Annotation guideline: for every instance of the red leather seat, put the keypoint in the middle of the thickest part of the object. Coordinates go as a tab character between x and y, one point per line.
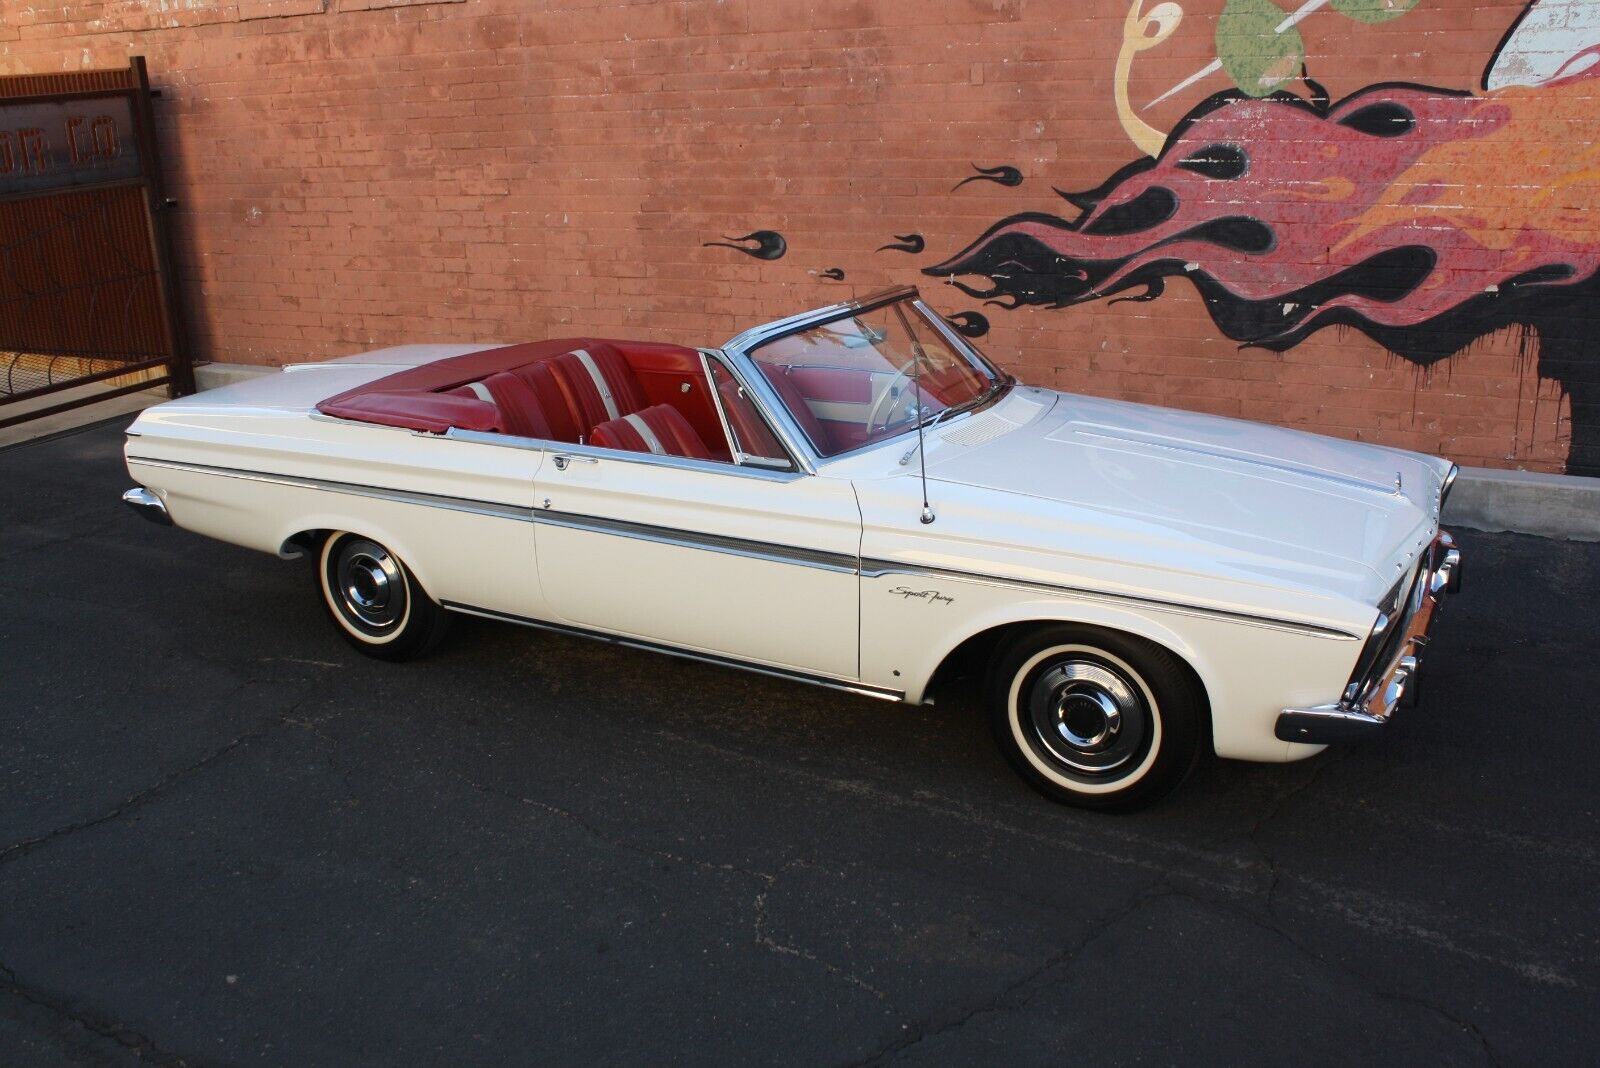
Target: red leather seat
521	413
581	389
795	401
661	430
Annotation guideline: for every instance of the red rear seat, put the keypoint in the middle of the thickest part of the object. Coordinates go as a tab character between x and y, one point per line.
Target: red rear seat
579	390
661	430
521	413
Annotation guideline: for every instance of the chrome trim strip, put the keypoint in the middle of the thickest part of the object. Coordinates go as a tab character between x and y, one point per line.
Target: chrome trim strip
741	458
871	568
844	563
688	539
716	402
752	337
687	463
431	500
791	675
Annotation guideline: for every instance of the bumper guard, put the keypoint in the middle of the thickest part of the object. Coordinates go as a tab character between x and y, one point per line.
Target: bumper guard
1392	680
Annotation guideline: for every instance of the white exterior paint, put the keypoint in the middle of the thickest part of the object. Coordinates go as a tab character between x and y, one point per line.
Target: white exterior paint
1255	554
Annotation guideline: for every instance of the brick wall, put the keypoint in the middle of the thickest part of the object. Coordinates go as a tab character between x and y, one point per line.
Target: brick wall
359	173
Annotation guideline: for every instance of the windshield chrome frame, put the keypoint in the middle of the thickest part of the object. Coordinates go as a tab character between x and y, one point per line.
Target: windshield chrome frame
738	349
741	458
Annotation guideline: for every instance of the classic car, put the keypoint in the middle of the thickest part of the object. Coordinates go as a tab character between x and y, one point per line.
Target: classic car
854	497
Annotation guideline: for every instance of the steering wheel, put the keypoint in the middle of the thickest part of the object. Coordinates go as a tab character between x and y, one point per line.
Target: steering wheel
889	397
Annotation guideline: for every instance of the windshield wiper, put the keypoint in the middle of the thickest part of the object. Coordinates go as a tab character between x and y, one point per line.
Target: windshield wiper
1000	383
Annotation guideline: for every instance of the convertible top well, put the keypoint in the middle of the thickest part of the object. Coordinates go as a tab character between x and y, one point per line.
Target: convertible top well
560	390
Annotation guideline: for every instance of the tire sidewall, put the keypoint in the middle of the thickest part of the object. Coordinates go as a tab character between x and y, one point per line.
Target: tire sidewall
1170	697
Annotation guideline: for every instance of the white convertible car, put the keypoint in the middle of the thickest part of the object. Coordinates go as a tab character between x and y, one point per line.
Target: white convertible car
853	497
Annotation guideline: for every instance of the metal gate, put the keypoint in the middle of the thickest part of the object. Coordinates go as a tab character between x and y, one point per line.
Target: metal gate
87	298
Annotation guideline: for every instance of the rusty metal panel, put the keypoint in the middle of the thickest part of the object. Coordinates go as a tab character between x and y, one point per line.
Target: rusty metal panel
78	81
57	144
86	293
78	276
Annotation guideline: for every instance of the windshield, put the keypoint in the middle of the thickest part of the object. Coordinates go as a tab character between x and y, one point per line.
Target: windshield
870	375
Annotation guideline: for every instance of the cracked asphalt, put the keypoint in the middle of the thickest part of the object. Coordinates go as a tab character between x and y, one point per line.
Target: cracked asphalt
225	837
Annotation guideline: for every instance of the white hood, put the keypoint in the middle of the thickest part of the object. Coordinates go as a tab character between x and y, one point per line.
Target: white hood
1295	507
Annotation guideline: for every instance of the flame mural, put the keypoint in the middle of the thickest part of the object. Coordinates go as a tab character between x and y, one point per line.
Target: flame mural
1425	217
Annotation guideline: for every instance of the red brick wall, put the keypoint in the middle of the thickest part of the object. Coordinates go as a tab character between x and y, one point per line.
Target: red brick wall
359	173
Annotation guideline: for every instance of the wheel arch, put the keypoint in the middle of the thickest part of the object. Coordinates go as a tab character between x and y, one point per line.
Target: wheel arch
977	645
302	539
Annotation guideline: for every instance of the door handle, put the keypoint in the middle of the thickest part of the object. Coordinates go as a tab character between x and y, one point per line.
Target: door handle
564	461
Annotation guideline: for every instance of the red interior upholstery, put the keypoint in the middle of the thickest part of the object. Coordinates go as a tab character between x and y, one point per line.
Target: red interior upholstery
660	429
520	411
792	399
421	410
575	389
747	426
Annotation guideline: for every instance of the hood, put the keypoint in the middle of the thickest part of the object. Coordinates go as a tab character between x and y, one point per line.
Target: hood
1280	505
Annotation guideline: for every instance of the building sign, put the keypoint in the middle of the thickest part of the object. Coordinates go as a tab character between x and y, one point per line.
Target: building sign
60	144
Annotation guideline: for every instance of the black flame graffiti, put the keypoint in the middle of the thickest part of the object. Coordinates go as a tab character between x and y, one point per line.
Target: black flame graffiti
1002	175
769	244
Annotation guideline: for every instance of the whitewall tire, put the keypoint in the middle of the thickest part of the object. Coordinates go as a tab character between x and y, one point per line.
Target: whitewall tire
1096	718
374	600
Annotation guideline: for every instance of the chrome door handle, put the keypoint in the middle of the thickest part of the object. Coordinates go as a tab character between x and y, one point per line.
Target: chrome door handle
564	461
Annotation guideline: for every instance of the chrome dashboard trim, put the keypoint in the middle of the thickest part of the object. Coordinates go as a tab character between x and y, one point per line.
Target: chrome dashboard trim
789	674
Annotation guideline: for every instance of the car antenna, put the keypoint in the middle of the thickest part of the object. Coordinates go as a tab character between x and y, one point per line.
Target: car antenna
916	385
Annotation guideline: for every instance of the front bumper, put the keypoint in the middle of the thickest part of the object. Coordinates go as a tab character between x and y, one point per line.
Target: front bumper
1391	680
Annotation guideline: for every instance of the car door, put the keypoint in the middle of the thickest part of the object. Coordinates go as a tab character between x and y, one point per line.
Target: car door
735	561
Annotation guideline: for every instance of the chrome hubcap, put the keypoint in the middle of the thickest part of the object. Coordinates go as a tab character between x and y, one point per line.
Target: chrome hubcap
1085	715
371	588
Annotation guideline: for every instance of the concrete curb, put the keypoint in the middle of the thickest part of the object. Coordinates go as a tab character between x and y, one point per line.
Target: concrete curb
217	375
1553	506
1526	502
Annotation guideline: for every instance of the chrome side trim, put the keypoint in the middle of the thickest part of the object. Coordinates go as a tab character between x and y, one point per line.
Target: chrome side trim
148	505
686	463
871	568
431	500
688	539
843	563
756	550
686	654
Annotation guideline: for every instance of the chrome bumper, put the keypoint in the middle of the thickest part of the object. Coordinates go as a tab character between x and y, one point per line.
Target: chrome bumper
148	505
1391	681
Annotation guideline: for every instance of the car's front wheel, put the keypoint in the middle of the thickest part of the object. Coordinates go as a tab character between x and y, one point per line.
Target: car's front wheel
1096	718
375	601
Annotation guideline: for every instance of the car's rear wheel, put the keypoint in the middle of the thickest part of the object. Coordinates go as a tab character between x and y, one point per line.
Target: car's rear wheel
1096	718
375	600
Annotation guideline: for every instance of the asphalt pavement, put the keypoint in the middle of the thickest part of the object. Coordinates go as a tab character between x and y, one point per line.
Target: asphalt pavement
225	837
